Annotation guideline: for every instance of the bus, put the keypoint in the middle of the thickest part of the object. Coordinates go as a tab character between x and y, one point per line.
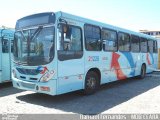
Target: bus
6	47
56	53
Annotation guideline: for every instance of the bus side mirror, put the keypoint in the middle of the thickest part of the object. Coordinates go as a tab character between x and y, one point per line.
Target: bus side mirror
65	33
63	26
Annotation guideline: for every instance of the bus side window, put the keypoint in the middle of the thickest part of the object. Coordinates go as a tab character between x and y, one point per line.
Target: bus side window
70	42
144	46
70	38
135	43
123	41
109	38
5	46
92	37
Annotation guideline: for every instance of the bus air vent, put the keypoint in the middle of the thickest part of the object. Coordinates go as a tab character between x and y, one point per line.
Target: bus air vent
23	77
33	78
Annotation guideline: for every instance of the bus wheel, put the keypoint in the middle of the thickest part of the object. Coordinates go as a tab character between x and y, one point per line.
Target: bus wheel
143	71
91	83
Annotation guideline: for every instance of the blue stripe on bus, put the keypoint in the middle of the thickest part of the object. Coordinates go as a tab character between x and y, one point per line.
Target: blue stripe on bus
129	57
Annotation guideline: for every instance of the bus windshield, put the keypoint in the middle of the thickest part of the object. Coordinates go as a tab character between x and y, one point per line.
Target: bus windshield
34	47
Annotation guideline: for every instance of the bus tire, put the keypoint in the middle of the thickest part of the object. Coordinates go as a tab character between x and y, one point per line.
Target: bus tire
92	83
143	72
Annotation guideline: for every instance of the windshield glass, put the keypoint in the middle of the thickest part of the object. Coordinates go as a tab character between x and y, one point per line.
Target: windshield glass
34	47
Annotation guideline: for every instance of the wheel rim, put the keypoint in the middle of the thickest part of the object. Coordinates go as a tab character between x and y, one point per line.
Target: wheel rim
91	83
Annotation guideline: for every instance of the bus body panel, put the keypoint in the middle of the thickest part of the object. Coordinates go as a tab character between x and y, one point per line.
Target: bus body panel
119	65
136	64
155	57
67	79
149	61
107	74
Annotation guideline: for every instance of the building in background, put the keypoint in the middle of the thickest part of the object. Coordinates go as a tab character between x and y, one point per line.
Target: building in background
155	34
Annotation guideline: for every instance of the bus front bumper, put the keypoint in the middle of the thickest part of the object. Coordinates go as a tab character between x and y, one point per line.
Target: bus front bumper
40	87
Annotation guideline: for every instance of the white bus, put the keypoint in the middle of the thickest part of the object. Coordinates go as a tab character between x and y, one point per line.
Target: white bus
6	47
56	53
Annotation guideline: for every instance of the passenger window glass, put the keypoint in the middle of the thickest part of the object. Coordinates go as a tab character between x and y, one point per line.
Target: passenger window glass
70	44
135	43
144	47
109	38
5	46
92	38
123	42
150	46
71	39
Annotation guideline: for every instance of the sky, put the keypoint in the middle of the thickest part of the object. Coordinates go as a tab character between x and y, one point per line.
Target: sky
130	14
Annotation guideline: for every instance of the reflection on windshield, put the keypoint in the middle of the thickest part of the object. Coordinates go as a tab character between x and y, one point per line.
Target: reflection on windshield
34	46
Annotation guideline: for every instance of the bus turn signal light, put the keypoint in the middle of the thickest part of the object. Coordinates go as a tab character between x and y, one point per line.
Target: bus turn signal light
43	88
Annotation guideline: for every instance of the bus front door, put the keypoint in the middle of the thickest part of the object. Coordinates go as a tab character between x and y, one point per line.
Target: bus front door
70	60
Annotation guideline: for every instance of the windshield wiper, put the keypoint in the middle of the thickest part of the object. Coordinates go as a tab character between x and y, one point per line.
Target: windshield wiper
36	33
23	35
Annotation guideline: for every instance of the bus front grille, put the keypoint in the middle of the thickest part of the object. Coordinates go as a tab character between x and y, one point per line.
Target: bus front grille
28	85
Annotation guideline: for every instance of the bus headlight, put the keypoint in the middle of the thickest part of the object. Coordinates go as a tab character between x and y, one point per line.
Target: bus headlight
45	78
